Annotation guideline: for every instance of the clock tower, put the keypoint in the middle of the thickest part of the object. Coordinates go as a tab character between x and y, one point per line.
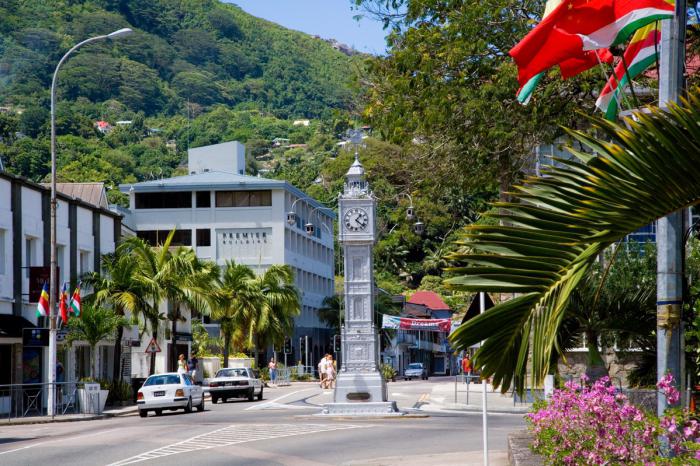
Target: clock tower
360	387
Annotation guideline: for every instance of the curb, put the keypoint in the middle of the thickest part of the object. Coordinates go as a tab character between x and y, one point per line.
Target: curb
51	421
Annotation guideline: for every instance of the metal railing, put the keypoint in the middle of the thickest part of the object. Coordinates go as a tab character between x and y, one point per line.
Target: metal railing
283	377
461	380
30	400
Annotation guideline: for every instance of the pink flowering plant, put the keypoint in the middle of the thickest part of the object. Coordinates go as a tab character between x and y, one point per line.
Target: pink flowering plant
595	425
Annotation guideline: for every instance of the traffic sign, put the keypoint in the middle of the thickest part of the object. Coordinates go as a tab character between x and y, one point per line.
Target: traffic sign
153	346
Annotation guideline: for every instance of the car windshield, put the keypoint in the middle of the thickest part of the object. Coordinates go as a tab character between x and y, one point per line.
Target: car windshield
162	380
415	366
232	373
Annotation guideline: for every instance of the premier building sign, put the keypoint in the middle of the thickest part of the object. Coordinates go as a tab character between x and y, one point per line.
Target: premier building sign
427	325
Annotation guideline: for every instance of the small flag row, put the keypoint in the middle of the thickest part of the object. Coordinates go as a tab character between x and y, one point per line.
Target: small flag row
65	305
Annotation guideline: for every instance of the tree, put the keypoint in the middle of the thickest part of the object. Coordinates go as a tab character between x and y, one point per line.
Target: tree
236	297
331	313
274	319
635	175
94	325
117	286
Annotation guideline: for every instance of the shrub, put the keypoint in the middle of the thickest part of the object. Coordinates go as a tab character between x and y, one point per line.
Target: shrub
583	425
388	371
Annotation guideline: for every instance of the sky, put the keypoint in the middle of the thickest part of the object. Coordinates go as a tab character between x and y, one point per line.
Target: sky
330	19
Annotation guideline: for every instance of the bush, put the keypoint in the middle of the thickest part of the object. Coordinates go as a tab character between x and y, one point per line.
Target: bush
596	425
388	372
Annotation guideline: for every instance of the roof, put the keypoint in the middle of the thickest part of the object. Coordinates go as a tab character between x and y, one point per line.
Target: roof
429	299
92	193
217	180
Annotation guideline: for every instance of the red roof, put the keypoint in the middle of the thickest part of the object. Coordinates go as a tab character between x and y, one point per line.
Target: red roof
429	299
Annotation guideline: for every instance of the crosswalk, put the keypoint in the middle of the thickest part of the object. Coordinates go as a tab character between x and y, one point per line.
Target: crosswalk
232	435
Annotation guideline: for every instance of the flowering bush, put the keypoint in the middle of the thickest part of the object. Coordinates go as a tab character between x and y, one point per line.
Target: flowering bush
594	425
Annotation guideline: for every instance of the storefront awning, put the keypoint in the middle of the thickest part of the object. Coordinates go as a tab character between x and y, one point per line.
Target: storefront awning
11	326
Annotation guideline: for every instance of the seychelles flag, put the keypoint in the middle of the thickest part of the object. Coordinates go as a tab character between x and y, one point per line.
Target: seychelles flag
42	308
75	302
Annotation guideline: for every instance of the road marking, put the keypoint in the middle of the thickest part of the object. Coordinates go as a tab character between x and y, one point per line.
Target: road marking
58	440
232	435
275	401
272	405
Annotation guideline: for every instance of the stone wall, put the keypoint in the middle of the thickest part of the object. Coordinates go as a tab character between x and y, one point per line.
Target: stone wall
619	364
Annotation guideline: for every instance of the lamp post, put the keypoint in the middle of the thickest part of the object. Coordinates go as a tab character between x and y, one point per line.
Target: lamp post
51	404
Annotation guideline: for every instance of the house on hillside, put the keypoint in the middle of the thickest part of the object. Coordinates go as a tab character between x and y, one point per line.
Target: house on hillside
103	127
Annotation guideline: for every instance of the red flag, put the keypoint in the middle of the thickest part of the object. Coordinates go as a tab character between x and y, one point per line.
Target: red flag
576	26
63	304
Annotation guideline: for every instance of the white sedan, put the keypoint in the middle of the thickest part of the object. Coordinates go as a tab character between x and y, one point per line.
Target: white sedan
238	382
170	391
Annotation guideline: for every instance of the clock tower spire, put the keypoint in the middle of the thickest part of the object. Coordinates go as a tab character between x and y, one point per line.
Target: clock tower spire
360	388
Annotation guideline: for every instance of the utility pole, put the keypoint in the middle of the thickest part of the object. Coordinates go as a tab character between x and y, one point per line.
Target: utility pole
669	232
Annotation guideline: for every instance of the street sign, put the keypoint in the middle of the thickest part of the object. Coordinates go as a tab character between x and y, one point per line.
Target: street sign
153	346
35	337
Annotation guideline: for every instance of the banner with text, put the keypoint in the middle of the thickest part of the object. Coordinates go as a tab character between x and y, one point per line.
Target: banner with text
427	325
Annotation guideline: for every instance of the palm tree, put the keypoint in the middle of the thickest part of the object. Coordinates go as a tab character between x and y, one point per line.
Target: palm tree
274	319
330	312
179	278
236	297
94	325
547	242
117	286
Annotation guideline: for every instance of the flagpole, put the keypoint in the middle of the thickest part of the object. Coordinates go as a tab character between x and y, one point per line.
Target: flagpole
669	234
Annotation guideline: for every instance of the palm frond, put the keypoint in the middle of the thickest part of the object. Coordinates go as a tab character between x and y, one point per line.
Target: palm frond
557	225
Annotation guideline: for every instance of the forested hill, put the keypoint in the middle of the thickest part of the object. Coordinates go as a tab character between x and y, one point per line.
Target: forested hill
201	51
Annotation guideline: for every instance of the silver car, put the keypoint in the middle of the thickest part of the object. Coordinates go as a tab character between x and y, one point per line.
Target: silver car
415	370
237	382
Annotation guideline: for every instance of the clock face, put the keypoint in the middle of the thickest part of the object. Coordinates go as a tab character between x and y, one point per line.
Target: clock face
356	219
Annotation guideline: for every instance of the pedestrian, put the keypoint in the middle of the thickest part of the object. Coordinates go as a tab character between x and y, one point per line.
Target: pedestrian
466	368
322	370
182	365
272	367
330	372
195	373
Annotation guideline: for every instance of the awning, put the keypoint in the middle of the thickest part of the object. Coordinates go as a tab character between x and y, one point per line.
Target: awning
11	326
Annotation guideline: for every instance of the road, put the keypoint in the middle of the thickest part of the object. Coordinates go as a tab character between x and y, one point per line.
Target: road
283	429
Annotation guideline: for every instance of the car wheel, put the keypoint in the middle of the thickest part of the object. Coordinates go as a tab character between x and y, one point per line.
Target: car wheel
224	400
159	412
200	408
260	394
188	408
251	394
214	399
143	412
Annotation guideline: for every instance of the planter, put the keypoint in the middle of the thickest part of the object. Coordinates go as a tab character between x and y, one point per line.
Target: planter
92	401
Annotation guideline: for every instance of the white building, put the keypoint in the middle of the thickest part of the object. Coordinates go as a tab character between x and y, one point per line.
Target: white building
85	230
224	214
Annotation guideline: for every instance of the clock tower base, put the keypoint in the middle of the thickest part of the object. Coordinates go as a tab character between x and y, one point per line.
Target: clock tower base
361	394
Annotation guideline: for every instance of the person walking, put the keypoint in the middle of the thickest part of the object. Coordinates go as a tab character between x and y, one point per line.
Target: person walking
182	365
272	367
322	370
330	372
466	367
193	366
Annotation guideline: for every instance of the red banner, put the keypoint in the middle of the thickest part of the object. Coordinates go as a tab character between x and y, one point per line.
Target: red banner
428	325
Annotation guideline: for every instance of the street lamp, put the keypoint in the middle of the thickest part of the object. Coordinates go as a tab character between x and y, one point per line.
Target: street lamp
51	405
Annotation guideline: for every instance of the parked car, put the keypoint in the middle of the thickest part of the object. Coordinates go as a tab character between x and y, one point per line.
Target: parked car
170	391
415	370
236	382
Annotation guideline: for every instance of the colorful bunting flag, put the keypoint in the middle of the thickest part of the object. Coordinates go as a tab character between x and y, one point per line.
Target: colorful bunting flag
42	308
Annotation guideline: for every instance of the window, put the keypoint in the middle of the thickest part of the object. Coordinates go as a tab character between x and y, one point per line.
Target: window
2	252
204	237
203	199
29	253
158	237
243	198
84	262
60	257
168	200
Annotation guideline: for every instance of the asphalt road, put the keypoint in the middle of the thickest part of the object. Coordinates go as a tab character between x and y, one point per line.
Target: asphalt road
283	429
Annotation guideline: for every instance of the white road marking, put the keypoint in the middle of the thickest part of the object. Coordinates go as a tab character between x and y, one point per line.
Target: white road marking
58	440
233	435
275	401
272	405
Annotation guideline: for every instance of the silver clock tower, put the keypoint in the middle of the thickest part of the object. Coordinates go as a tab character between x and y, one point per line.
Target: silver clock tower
360	388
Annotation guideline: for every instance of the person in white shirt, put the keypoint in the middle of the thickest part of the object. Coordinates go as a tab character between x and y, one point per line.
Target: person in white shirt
322	366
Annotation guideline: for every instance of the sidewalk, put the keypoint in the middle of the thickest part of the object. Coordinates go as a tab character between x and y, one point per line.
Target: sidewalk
443	397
